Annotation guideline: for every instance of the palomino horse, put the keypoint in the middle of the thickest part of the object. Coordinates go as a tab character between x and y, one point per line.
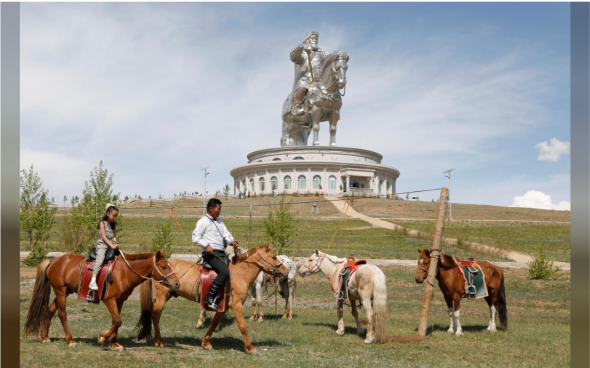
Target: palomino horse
324	99
451	283
287	287
367	284
63	274
245	268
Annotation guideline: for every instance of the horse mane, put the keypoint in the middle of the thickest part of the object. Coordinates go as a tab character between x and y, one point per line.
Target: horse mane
334	258
244	256
329	60
138	256
447	261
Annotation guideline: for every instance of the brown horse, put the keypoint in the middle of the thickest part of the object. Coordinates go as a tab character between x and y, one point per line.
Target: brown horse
244	271
451	283
63	274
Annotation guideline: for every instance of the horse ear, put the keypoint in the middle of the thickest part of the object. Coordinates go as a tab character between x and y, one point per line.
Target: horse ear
419	250
317	253
267	248
160	255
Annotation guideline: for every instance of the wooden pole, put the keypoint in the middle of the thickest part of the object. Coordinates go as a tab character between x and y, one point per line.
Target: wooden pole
434	256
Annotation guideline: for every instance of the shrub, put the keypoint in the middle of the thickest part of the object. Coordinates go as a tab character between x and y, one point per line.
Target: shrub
162	239
280	225
542	269
36	218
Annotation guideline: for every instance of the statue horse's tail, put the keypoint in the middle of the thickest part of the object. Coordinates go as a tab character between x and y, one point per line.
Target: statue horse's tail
144	325
379	306
502	312
35	322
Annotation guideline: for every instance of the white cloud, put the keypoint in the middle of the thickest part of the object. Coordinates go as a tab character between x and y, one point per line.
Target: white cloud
552	152
540	200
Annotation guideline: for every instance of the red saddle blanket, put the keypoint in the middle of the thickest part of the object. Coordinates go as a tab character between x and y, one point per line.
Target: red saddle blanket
206	278
84	292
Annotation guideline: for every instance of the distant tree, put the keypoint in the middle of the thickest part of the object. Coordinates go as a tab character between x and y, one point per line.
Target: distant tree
280	225
36	218
226	189
65	200
162	239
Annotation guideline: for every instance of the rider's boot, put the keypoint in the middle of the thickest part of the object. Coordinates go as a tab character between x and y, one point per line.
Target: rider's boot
211	297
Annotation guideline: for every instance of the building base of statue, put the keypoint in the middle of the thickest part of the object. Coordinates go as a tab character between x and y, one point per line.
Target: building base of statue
325	170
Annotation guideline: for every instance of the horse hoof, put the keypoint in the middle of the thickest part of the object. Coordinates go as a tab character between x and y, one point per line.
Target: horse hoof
368	341
160	344
451	331
72	345
101	340
260	319
208	347
252	351
120	349
339	332
252	318
46	341
459	333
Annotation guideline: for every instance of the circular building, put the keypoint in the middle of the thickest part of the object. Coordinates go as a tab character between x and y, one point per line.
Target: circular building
328	170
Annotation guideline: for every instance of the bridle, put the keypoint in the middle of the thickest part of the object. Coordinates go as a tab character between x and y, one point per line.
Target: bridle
274	267
164	277
317	266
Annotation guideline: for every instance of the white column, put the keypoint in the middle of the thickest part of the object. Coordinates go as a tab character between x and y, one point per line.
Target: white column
347	183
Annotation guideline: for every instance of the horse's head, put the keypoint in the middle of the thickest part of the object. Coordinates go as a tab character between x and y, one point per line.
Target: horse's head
423	266
266	260
312	265
163	272
339	68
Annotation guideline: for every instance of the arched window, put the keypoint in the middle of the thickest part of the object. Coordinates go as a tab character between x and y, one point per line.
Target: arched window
317	182
332	182
261	185
252	185
298	158
274	183
301	182
276	159
287	182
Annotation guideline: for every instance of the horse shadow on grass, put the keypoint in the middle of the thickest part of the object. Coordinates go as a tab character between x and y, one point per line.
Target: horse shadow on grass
347	329
469	328
272	317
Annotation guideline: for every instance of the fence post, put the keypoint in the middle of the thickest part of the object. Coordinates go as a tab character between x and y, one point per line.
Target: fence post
434	256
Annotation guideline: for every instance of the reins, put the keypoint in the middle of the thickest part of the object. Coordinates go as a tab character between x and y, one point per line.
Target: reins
164	277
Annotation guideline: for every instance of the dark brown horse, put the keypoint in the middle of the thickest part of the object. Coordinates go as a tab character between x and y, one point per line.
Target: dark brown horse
451	283
245	269
63	274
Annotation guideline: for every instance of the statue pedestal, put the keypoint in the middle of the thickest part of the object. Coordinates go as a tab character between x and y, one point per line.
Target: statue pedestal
332	171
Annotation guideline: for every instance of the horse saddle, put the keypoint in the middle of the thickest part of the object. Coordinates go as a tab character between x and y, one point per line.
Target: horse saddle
206	277
349	268
86	269
475	286
108	257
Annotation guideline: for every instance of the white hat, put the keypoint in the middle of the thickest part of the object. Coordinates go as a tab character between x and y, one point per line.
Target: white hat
109	205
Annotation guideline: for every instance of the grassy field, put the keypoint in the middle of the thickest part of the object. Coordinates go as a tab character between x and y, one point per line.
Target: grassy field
354	238
538	334
525	237
429	210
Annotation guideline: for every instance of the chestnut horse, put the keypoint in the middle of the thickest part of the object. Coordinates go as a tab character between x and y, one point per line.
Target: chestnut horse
63	274
367	284
244	271
452	284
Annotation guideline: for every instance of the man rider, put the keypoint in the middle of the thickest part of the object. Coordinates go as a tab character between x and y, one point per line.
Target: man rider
213	237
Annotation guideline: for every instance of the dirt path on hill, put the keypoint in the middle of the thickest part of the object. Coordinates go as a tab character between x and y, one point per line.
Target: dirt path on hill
515	256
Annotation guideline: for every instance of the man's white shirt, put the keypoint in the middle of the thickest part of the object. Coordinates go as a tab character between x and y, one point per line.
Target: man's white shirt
206	233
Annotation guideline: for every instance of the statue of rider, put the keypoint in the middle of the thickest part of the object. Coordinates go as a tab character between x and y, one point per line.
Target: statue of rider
306	54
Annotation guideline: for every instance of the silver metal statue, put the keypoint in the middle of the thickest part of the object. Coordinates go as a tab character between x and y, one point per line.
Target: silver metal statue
316	97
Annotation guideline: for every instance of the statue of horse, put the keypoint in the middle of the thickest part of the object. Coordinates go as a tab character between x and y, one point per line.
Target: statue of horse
367	284
245	269
63	274
451	283
323	102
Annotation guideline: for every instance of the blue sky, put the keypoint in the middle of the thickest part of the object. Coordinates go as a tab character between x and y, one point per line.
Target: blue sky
158	91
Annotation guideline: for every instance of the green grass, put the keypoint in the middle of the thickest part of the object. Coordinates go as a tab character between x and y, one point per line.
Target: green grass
313	234
523	237
538	335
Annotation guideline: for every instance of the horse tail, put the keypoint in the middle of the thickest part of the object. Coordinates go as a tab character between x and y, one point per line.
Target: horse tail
144	325
379	306
35	322
502	312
